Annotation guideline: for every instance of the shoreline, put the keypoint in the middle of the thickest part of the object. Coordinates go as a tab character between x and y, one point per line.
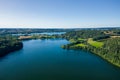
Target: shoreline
114	64
5	51
92	52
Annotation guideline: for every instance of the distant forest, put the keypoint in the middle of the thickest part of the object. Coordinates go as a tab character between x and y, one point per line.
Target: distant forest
30	30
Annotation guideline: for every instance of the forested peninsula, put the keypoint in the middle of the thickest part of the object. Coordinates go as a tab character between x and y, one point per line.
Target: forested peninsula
104	43
9	44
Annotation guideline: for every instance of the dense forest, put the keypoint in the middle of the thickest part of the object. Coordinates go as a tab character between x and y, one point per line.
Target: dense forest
105	43
9	44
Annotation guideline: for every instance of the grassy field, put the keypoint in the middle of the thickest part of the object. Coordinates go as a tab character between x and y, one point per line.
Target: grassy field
72	40
95	43
79	39
80	45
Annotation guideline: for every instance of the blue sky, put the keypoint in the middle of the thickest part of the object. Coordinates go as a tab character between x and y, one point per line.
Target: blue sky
59	13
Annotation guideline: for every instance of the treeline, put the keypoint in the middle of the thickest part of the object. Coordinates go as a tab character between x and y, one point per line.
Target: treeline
92	33
112	48
31	30
99	37
9	44
83	34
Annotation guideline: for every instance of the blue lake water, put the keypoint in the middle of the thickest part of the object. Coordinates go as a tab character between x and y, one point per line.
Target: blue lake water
46	60
47	33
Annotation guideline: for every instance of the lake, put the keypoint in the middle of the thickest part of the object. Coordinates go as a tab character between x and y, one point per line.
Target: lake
46	60
43	33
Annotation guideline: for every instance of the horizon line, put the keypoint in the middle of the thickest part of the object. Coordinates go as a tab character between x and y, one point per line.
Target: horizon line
58	28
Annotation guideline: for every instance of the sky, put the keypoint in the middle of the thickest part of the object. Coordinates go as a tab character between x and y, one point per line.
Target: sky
59	13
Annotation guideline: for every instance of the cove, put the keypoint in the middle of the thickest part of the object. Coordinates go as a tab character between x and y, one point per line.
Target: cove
46	60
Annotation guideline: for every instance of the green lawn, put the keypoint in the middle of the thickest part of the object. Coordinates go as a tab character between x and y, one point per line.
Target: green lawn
80	45
95	43
72	40
79	39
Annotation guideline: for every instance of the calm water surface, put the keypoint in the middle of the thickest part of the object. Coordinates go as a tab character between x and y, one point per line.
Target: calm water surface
47	33
46	60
